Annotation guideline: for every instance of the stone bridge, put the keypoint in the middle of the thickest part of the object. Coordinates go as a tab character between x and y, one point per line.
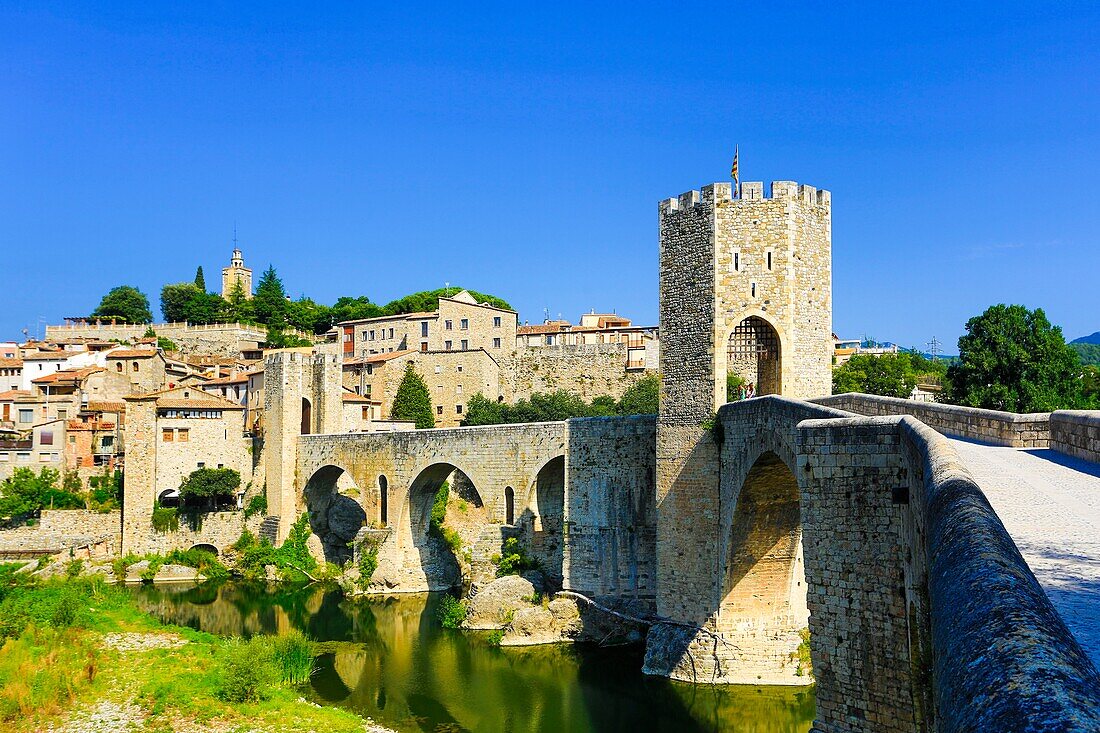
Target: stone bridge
868	530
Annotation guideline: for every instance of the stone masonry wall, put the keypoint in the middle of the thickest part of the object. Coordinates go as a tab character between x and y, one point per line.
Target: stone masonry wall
1076	433
610	516
221	339
856	551
80	522
987	426
590	370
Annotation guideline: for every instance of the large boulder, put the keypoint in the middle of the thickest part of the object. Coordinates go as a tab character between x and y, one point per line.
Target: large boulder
496	603
534	625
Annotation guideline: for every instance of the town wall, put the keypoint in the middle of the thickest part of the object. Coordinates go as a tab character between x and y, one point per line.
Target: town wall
987	426
80	522
224	339
590	370
220	529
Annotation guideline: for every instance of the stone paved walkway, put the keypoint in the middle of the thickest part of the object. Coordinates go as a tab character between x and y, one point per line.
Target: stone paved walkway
1050	504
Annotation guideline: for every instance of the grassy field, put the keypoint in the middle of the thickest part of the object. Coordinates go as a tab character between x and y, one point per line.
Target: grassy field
70	646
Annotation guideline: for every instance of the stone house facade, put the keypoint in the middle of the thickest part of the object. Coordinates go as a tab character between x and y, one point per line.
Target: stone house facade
168	435
145	368
459	324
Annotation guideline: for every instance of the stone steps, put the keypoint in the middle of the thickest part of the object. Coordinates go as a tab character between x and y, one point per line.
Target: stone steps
269	529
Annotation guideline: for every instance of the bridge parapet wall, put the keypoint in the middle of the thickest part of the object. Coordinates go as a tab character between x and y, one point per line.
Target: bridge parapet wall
1076	433
1003	657
1030	430
976	643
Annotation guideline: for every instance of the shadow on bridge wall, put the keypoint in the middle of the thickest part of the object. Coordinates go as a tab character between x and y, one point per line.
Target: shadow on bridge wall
923	615
332	500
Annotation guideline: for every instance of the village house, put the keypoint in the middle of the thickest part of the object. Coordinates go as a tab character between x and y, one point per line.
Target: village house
171	433
459	324
641	342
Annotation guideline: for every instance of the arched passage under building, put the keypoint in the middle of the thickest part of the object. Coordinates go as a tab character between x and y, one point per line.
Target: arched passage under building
336	512
206	547
542	520
754	354
762	611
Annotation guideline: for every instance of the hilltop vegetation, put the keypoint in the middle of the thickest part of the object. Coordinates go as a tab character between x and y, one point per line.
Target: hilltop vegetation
1089	353
191	302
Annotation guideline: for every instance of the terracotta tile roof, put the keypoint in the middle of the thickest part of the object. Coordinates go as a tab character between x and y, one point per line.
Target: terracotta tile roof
352	397
106	406
132	354
186	397
14	394
542	328
377	358
10	363
49	355
68	375
241	378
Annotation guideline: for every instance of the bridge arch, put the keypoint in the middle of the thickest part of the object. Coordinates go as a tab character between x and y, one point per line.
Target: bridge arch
762	607
333	501
205	546
542	517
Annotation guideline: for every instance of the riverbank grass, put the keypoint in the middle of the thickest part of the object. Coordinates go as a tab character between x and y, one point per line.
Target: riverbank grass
55	661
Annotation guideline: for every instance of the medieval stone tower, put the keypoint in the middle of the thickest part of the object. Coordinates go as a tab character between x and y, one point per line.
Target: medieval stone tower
745	287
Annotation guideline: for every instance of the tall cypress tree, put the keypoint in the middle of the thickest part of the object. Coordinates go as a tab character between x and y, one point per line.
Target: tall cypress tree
270	298
200	280
412	401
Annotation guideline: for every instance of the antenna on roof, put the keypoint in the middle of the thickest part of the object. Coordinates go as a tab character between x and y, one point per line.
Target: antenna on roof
234	235
546	315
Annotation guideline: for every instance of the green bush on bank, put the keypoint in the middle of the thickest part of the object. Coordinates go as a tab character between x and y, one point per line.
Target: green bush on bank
249	670
451	612
292	558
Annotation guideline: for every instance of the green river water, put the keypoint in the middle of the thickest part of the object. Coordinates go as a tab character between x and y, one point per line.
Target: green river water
390	660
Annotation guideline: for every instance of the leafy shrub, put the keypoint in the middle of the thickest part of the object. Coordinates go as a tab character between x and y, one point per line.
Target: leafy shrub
210	484
256	505
26	492
292	557
249	670
495	637
368	563
165	519
514	559
451	612
73	568
204	561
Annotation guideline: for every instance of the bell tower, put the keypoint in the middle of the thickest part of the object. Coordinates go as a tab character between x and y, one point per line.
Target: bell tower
236	273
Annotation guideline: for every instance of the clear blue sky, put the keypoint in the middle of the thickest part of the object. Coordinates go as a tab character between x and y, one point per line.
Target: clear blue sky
522	152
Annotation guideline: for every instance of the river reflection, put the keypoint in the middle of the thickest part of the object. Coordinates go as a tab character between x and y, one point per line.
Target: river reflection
390	660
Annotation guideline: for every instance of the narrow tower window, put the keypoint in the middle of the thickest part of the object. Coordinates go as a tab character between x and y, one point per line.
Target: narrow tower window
769	259
754	290
737	262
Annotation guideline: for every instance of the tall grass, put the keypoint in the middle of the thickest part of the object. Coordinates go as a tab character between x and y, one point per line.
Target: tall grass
44	669
250	669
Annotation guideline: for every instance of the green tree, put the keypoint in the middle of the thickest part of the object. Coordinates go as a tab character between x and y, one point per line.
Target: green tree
428	300
200	279
890	375
278	338
238	307
210	486
270	298
1013	359
186	302
734	381
308	316
25	492
124	303
412	401
642	397
353	309
480	410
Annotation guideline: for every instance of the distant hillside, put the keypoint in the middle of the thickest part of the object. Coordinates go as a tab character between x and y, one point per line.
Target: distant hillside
1089	351
1093	339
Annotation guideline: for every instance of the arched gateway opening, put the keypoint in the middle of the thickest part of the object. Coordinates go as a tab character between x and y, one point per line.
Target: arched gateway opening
335	513
753	353
763	604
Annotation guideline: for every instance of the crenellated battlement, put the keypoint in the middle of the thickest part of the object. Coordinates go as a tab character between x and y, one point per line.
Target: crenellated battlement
751	191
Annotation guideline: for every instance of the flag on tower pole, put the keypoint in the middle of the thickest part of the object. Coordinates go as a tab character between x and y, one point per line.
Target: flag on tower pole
733	173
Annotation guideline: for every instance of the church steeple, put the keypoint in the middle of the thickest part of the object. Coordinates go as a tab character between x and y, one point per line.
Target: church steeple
236	273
